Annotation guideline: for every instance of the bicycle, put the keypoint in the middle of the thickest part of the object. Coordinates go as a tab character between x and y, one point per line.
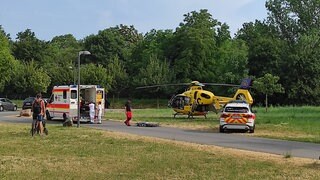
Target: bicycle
36	128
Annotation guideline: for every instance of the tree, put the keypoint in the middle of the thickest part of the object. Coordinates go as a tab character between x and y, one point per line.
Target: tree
223	33
156	72
111	42
28	47
65	41
268	85
120	78
95	74
232	61
302	81
265	53
61	59
64	50
61	74
294	17
156	44
194	47
297	23
30	79
7	61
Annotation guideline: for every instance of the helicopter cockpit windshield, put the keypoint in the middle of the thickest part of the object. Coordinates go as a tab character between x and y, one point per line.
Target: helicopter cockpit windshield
179	102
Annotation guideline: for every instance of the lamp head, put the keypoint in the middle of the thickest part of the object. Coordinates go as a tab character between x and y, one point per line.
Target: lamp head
84	52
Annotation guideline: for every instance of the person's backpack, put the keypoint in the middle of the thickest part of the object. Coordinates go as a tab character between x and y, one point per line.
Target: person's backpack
37	107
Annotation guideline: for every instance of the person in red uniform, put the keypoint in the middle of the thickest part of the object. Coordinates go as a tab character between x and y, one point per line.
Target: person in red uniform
128	111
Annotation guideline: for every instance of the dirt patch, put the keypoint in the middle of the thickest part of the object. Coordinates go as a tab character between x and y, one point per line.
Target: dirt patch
26	113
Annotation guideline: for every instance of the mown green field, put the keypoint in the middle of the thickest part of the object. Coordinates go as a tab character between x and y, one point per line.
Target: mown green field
290	123
83	153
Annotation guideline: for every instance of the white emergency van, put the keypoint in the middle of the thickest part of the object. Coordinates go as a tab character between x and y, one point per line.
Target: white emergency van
64	100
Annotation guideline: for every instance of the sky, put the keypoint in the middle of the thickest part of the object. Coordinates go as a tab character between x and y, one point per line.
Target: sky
81	18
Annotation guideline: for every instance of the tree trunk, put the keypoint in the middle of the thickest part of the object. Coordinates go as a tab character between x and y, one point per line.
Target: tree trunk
266	103
113	101
158	106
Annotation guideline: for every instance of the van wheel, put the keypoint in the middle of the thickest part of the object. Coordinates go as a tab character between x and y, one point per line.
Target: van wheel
251	130
48	115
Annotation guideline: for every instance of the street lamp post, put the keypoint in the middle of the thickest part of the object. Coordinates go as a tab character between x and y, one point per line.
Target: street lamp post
79	55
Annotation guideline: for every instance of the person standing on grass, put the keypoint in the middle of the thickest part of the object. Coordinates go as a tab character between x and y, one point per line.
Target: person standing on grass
38	109
128	111
99	109
92	112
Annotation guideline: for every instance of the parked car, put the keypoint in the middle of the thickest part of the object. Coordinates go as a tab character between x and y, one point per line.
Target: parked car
46	101
6	104
27	103
237	115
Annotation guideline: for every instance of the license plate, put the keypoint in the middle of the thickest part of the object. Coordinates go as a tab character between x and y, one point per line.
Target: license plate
236	117
28	103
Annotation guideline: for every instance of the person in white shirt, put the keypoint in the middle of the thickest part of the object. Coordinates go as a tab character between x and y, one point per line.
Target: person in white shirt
99	109
91	112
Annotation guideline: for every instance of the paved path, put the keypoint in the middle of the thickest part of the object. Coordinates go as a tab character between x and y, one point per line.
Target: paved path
280	147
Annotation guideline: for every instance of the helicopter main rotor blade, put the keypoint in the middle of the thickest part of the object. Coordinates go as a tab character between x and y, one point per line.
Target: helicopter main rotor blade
162	85
218	84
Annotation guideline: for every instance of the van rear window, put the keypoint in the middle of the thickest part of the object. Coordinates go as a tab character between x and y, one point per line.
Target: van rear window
64	94
236	109
73	94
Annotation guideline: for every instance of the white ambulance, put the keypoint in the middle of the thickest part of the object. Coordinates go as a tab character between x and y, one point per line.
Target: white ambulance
64	100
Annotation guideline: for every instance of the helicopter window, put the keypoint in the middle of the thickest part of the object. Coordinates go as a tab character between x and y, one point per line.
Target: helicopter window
186	100
178	102
204	95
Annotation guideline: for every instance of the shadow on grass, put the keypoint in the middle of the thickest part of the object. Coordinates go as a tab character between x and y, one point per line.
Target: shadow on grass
315	165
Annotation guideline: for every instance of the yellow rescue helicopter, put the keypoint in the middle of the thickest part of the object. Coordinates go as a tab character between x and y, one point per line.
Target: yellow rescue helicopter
196	101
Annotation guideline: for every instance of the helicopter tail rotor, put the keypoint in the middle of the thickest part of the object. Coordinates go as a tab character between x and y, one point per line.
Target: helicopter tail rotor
246	83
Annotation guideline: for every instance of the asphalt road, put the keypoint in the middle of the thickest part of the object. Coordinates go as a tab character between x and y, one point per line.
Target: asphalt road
233	140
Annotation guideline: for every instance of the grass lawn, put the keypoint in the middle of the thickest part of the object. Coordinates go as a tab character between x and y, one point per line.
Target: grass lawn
289	123
83	153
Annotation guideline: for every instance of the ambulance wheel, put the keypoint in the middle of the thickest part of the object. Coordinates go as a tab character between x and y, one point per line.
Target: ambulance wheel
48	115
221	130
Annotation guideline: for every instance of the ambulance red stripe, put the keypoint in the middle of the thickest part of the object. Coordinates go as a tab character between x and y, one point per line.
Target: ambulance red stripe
60	90
65	106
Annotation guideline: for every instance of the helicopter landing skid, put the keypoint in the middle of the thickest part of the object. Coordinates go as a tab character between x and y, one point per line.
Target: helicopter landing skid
189	115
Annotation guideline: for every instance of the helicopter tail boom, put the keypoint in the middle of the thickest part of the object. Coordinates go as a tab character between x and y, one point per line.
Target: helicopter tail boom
243	94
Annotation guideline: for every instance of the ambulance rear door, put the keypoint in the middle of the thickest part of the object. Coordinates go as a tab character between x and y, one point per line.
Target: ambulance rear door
73	100
100	98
